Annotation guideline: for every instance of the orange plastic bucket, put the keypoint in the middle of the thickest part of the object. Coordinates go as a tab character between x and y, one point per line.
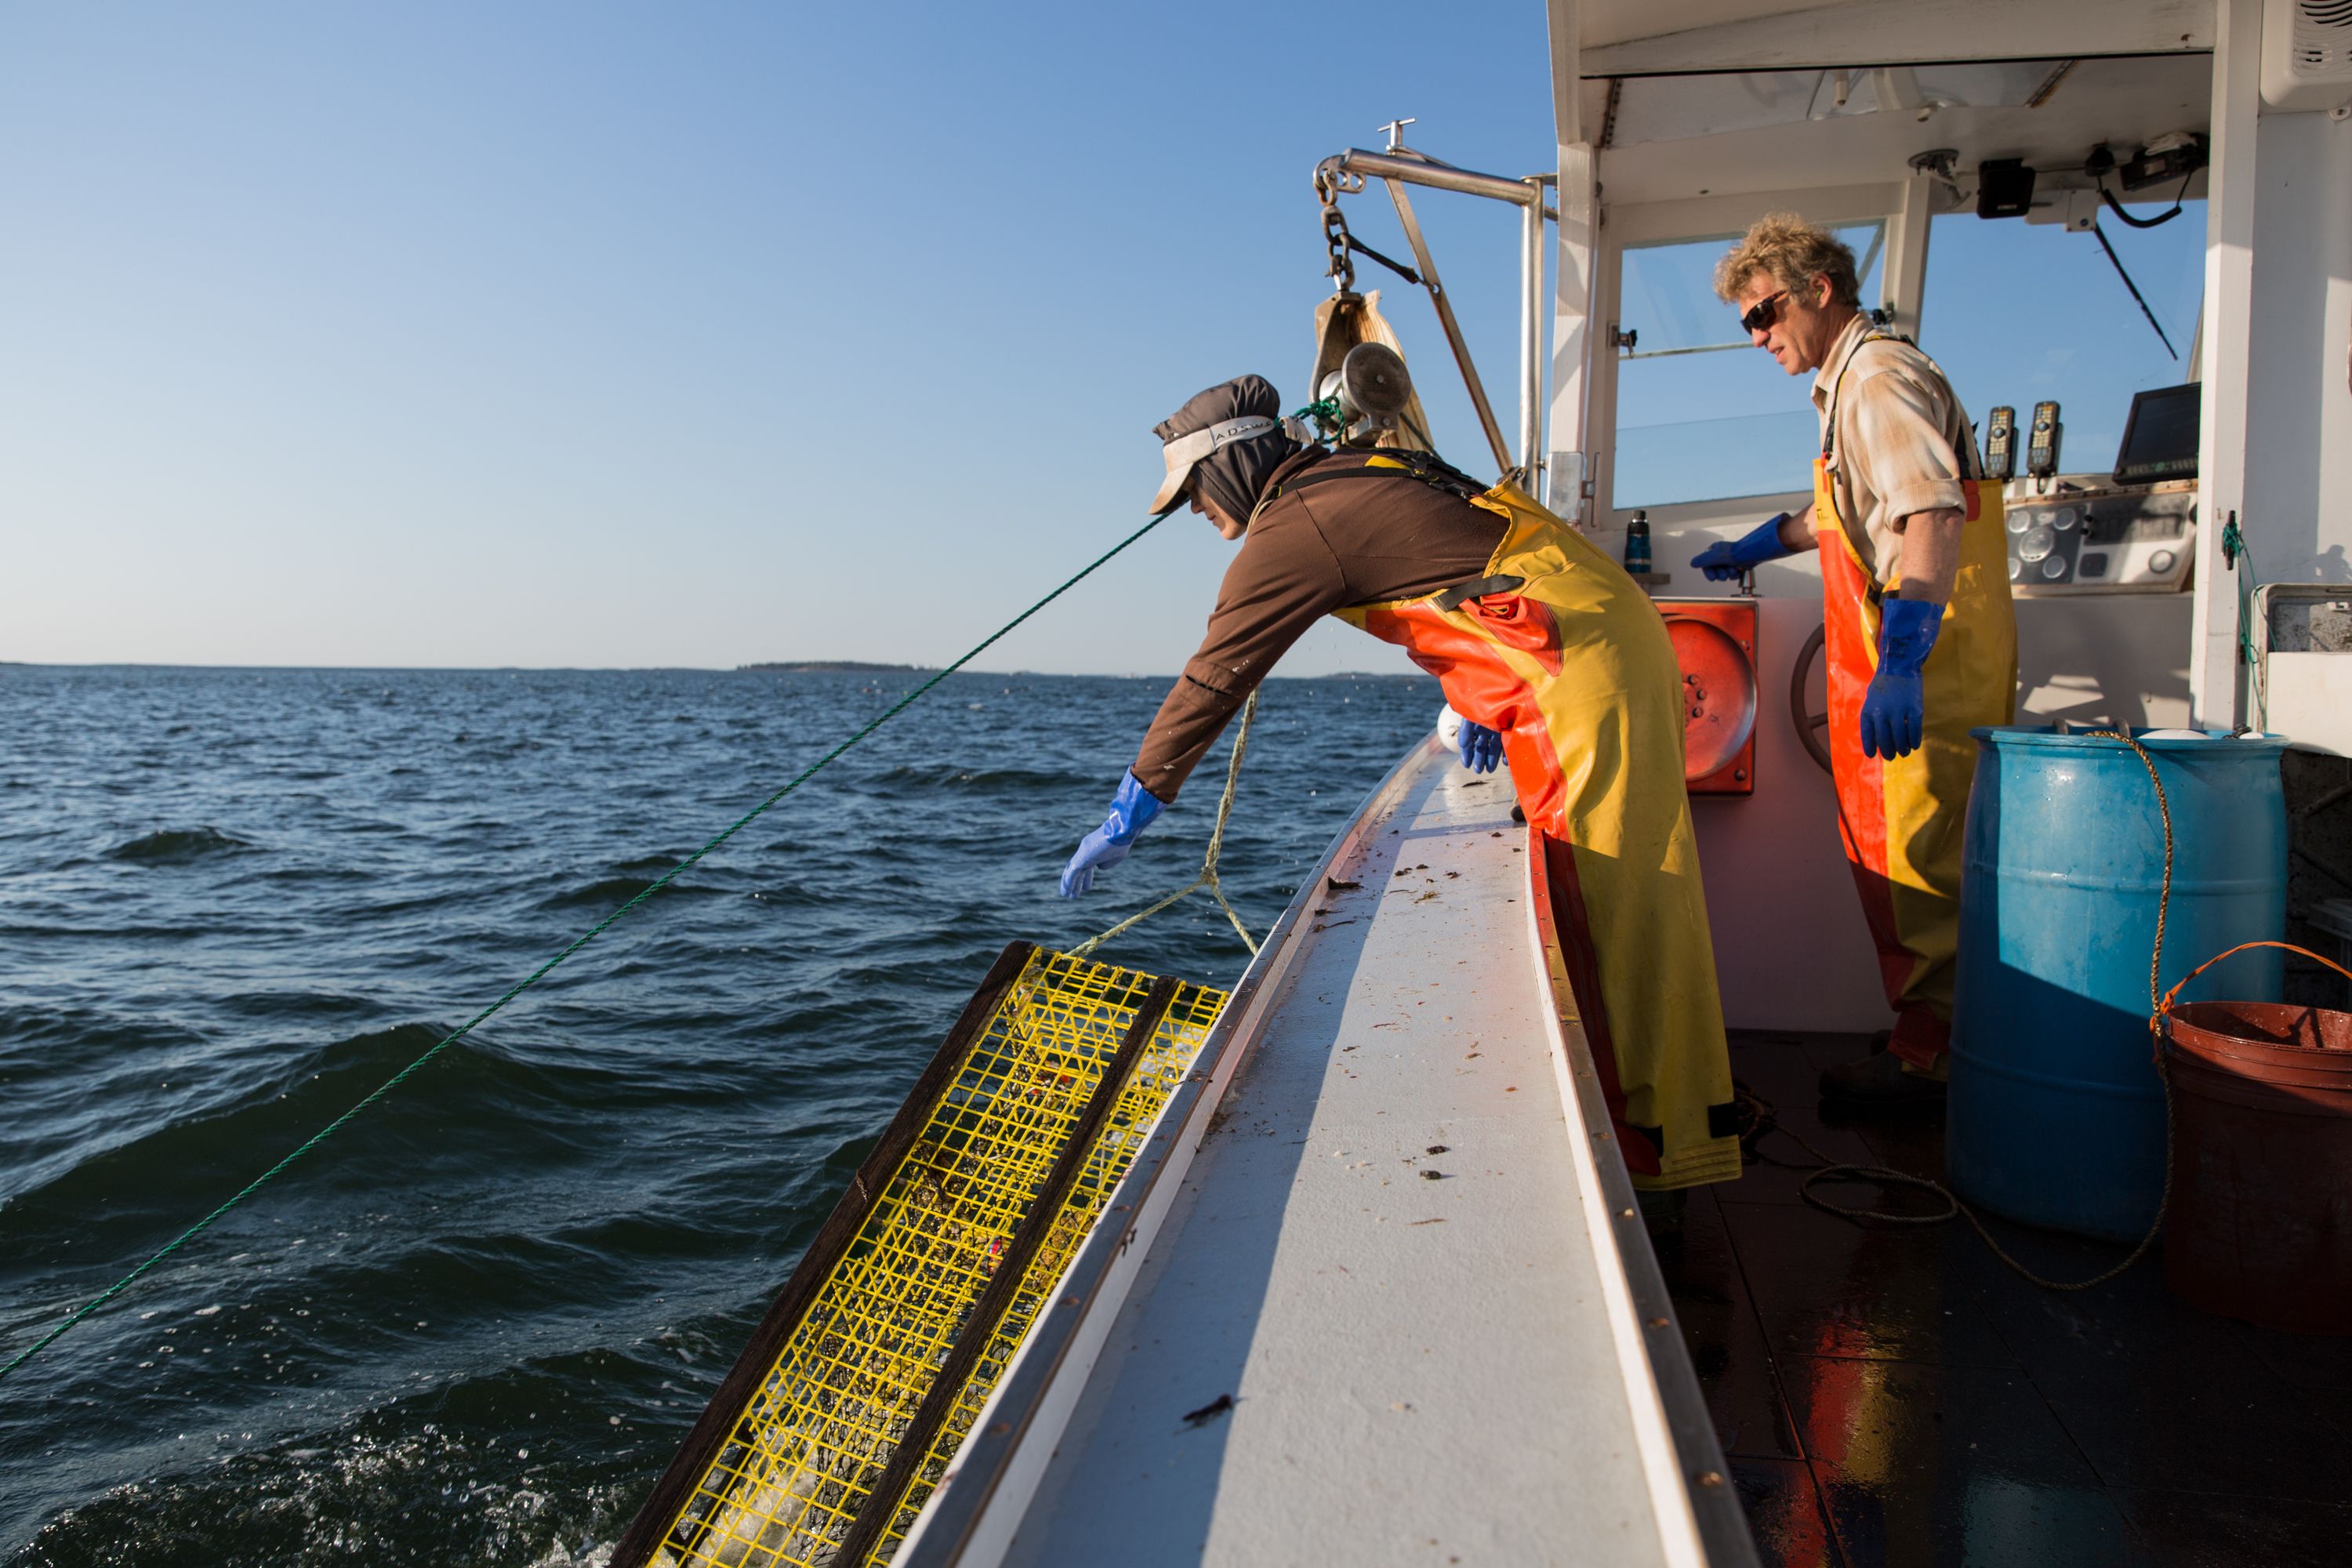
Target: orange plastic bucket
2260	1219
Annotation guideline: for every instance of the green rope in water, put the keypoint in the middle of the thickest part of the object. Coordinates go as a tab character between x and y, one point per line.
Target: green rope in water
396	1080
1208	877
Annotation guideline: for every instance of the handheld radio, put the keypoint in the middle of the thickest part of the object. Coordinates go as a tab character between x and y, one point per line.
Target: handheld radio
2041	445
2000	443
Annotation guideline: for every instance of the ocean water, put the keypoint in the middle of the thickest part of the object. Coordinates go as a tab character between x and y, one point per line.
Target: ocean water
471	1328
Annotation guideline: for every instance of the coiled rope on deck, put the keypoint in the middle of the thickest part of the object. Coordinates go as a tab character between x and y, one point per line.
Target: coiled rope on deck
396	1080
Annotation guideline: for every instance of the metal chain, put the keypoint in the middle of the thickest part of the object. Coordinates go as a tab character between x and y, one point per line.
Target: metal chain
1208	877
1836	1171
1335	236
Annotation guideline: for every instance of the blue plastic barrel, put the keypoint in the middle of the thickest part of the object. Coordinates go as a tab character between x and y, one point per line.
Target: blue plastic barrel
2056	1116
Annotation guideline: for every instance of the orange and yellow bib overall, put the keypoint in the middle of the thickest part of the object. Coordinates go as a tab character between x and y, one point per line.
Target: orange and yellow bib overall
1901	817
1568	659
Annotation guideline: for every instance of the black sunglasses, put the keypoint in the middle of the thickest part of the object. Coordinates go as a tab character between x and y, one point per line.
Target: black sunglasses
1760	316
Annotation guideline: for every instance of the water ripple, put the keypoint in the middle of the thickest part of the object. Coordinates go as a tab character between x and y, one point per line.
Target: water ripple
472	1327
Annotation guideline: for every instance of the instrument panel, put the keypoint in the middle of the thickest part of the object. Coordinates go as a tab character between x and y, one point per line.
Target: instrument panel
2086	534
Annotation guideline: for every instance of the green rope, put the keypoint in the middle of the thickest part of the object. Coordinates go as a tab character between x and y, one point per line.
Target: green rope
1208	877
2233	546
1325	414
396	1080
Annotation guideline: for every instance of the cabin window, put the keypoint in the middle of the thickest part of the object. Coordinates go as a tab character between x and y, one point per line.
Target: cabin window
1701	414
2017	312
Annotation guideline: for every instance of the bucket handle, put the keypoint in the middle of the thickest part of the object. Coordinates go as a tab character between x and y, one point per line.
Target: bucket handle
2164	1007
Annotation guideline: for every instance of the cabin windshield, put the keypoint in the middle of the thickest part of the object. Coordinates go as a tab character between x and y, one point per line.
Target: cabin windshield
2017	313
1701	414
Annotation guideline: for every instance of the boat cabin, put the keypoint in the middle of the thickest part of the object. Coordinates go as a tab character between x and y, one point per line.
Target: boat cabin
1901	126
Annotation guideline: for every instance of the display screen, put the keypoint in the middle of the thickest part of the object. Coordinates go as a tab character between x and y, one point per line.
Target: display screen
2161	438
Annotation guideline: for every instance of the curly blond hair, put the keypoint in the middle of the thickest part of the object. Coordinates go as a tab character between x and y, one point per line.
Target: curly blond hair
1793	252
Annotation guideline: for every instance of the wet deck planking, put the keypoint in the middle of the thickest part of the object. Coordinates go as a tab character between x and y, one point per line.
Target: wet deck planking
1898	1396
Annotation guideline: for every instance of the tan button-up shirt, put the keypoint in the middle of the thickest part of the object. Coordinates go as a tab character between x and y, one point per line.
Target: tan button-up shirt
1904	443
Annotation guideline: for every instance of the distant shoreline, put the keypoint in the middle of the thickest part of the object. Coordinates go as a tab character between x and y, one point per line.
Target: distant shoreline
838	665
802	667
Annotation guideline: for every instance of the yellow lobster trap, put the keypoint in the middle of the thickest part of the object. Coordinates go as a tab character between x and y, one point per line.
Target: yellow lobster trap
860	1384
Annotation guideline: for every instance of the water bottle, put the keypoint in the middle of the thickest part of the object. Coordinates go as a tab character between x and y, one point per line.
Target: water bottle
1637	544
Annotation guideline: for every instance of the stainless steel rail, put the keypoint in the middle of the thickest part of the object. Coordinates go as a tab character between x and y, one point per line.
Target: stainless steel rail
1419	170
1348	172
1445	317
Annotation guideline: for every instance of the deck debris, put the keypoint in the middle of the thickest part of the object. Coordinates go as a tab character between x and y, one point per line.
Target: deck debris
1209	1412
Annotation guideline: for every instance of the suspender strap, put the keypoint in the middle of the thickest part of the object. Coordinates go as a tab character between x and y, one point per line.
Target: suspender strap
1453	598
1837	387
1971	467
1423	467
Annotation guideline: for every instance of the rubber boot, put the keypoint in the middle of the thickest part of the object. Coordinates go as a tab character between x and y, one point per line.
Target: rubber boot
1662	1213
1880	1079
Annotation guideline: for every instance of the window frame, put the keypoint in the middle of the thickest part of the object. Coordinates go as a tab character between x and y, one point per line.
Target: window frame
1903	205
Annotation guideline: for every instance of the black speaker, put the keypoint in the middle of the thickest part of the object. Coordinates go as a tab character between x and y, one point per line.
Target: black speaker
2004	188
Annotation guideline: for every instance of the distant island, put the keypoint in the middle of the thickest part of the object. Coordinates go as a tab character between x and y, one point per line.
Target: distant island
838	665
859	667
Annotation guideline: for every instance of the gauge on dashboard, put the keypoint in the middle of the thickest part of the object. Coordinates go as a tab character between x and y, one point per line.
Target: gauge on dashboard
2087	535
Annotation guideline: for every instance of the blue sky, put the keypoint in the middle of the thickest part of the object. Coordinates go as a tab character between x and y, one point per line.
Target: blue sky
601	334
596	334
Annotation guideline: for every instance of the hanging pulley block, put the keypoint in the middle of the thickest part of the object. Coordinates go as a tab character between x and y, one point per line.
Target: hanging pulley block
1371	388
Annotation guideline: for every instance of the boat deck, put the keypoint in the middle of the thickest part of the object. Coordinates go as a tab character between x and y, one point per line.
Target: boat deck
1371	1407
1898	1396
1385	1318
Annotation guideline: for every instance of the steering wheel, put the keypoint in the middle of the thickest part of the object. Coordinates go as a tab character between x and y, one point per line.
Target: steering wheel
1812	728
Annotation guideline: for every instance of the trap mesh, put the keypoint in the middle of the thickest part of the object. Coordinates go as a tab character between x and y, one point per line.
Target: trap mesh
809	1447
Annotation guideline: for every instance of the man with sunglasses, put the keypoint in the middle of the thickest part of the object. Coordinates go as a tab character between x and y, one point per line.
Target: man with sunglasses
1922	639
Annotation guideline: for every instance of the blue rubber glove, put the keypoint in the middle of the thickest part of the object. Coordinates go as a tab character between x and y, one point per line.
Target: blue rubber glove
1725	560
1894	711
1481	748
1131	811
